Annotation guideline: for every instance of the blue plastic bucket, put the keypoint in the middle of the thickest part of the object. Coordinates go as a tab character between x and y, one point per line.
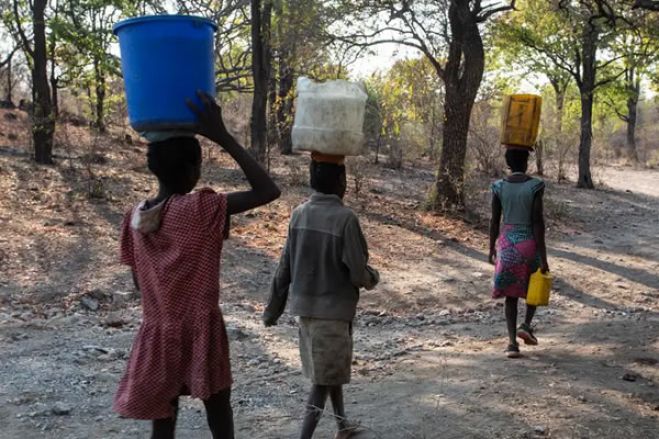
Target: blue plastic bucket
165	59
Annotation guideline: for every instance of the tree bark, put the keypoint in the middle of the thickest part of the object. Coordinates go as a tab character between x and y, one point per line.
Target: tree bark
462	77
273	133
634	89
560	88
53	75
261	59
100	97
587	88
560	104
585	143
43	121
10	82
539	156
285	108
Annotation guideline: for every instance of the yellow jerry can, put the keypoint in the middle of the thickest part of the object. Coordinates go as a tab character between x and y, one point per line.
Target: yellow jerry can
520	120
539	289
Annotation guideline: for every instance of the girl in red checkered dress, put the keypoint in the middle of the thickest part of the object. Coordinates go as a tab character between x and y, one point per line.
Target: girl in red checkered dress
173	244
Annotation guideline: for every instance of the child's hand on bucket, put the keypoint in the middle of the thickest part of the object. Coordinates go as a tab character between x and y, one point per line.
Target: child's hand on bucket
211	124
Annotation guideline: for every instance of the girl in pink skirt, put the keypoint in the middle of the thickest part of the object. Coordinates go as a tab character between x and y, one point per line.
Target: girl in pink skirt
518	248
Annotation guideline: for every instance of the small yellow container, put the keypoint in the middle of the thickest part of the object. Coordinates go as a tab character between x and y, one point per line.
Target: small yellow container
539	289
520	120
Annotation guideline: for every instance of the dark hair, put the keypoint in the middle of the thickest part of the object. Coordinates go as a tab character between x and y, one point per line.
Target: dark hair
174	160
517	159
328	178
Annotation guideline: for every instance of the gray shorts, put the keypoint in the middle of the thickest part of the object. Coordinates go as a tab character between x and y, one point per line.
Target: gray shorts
326	350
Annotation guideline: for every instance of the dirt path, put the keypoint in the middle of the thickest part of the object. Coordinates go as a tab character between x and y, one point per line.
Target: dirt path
429	342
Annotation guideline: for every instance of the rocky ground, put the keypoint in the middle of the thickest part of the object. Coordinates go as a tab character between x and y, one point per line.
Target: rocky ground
428	341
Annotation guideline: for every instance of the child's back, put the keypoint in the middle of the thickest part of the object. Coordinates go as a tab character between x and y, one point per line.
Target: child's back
174	249
328	259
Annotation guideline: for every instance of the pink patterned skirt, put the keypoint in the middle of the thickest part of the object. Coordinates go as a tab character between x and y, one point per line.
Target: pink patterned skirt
517	259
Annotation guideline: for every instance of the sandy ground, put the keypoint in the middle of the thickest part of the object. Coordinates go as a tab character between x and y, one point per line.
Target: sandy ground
428	341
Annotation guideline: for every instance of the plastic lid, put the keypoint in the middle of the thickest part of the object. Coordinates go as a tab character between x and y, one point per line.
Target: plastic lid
162	17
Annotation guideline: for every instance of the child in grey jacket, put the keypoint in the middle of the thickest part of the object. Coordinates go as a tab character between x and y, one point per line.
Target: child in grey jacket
322	268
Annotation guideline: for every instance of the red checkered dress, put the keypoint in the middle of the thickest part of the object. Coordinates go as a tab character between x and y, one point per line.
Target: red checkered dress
181	347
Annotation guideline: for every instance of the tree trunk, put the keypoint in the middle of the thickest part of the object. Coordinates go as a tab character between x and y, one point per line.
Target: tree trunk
587	88
585	143
43	122
100	97
632	115
395	160
53	75
10	83
462	77
539	155
273	104
285	109
560	88
450	176
261	14
560	104
55	92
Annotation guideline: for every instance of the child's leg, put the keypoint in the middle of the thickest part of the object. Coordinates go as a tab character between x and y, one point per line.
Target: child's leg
336	395
220	415
511	319
165	428
314	410
530	312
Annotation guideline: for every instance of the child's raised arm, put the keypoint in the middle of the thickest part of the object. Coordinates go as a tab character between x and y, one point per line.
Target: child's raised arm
211	125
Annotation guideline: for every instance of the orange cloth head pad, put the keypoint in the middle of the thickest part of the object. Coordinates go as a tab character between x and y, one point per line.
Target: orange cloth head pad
328	158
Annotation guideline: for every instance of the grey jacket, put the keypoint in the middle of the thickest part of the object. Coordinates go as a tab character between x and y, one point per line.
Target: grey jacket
323	265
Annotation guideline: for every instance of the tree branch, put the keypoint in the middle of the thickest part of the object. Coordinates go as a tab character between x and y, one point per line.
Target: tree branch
608	80
650	5
483	14
9	57
24	40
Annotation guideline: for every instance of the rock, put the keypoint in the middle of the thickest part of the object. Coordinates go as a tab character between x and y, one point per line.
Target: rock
10	116
540	430
114	320
420	317
582	398
444	313
89	303
121	298
237	334
61	409
631	377
646	361
97	294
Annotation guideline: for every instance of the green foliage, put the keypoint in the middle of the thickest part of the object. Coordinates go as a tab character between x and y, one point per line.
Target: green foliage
408	100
